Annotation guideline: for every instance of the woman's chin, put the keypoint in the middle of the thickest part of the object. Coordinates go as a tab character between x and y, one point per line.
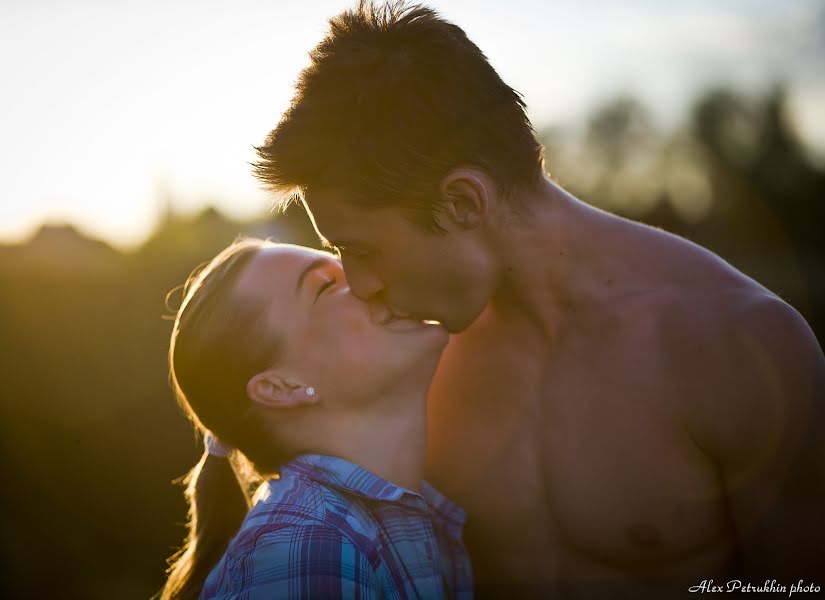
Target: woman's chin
435	330
438	336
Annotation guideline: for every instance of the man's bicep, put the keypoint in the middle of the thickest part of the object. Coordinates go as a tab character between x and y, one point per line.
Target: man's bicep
766	434
778	516
308	562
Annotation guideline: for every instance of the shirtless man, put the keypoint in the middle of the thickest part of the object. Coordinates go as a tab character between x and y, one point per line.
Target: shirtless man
622	413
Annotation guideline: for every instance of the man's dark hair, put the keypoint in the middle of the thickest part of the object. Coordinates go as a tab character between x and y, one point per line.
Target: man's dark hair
395	97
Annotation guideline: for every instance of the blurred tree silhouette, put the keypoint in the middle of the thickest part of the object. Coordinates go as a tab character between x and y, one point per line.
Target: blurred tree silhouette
91	438
768	193
752	142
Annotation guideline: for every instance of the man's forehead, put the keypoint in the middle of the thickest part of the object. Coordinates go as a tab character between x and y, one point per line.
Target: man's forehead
334	233
338	222
325	210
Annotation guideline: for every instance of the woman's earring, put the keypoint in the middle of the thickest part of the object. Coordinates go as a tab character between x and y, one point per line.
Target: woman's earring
310	391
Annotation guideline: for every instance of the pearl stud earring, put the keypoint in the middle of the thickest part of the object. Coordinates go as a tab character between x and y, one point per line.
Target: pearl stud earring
310	391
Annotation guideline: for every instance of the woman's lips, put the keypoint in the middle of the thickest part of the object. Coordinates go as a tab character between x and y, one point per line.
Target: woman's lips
380	313
395	320
400	314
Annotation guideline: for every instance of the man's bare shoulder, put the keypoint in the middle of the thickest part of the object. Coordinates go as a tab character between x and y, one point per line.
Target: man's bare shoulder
728	344
687	265
679	288
749	367
744	329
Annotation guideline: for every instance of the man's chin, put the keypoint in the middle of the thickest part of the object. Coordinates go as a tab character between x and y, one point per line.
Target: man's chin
455	326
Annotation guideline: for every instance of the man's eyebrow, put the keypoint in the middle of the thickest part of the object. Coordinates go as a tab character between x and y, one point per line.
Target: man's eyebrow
318	262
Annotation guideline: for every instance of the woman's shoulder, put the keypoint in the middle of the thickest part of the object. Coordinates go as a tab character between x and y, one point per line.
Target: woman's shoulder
288	500
292	537
292	501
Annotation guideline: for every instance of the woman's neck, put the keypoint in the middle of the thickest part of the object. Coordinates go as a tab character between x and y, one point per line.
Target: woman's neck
391	441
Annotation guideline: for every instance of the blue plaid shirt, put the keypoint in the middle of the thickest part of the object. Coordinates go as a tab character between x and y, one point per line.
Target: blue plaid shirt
331	529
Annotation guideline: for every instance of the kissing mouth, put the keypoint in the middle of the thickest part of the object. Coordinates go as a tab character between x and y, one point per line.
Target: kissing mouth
397	314
383	315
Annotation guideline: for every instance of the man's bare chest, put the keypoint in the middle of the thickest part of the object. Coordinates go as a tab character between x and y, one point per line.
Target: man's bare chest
570	461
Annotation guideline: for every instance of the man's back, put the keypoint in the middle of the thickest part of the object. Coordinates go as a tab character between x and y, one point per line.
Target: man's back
578	447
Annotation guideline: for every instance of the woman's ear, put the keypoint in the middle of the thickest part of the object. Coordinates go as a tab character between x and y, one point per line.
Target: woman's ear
464	200
272	390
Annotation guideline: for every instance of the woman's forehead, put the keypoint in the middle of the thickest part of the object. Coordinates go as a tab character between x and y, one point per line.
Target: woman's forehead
276	267
286	254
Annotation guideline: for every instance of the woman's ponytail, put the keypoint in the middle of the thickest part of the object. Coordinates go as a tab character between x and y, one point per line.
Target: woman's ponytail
218	503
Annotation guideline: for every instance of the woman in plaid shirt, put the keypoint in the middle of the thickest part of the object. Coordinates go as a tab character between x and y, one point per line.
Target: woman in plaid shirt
274	356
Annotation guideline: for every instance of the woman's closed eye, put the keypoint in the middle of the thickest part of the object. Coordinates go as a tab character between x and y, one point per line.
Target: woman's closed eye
325	286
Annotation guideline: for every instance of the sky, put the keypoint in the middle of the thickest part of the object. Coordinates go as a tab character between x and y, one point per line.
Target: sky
112	111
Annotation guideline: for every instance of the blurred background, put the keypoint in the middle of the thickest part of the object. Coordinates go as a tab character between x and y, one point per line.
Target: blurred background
126	131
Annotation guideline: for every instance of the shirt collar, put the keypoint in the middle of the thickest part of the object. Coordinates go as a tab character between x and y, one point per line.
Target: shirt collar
445	510
341	473
345	475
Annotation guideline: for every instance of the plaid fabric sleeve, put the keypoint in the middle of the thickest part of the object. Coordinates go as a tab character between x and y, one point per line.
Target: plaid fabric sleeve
303	562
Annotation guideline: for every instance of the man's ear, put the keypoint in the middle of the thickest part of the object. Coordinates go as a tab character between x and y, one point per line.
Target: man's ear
465	200
272	390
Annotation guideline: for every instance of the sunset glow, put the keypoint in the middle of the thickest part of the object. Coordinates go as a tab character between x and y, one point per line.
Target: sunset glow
115	111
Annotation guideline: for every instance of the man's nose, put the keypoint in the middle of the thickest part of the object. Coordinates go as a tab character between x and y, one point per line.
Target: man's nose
363	282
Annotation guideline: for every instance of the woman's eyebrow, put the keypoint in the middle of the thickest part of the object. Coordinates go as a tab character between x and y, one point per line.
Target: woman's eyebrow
318	262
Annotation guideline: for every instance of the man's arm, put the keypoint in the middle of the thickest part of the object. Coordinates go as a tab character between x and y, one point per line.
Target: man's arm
766	432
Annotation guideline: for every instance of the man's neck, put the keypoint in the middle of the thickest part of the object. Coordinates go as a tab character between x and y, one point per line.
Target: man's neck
555	262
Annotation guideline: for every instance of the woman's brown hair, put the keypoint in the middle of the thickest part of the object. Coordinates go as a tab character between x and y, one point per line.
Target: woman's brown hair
218	342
